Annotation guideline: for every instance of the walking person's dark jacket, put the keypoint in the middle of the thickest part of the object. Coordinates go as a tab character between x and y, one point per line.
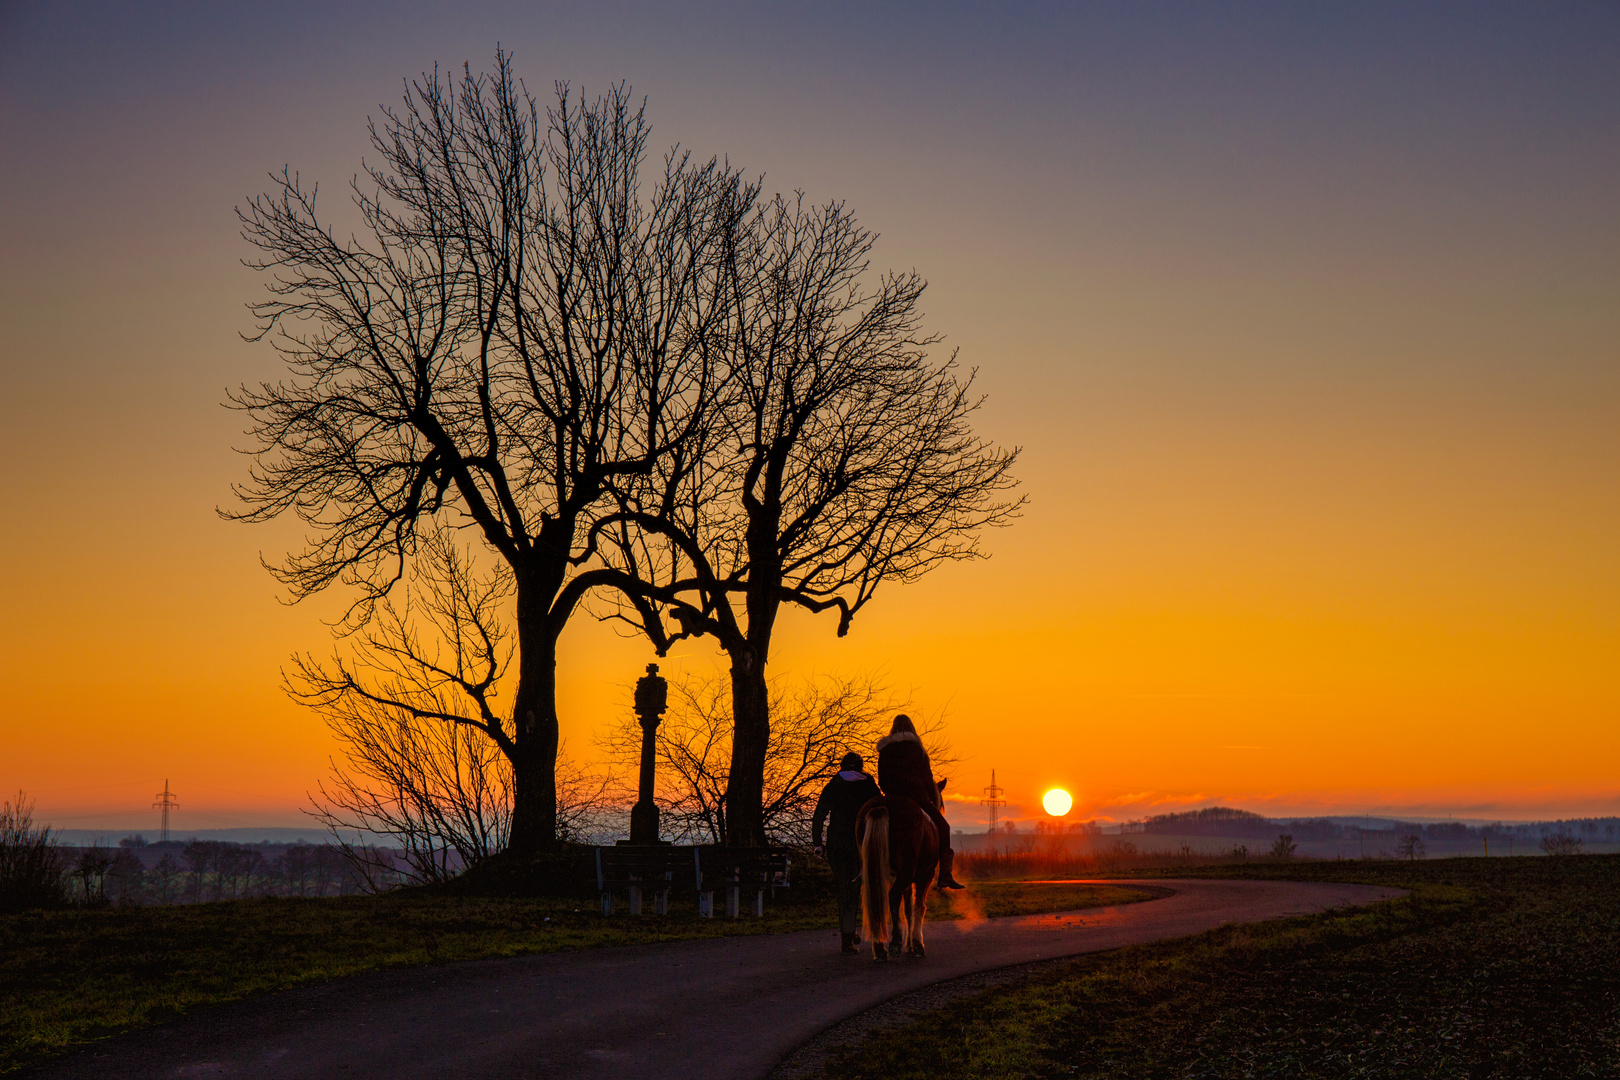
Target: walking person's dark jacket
840	801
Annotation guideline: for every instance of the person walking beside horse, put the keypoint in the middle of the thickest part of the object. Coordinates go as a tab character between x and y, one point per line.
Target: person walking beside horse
841	800
904	769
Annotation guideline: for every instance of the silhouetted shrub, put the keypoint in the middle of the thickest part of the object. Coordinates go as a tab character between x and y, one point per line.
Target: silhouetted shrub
1561	843
1283	847
30	868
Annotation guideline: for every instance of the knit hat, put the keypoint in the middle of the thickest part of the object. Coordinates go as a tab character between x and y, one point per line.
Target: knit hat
852	763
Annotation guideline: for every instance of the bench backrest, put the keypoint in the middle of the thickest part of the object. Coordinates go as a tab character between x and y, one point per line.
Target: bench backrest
719	867
708	867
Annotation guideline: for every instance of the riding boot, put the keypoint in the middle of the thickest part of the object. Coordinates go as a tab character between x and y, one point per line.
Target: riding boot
850	941
946	880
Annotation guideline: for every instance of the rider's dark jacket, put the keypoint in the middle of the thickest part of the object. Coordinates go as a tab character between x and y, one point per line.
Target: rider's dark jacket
841	799
903	769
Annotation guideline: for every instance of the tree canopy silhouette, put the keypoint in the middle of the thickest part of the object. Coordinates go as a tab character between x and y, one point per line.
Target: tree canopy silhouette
841	457
698	404
517	325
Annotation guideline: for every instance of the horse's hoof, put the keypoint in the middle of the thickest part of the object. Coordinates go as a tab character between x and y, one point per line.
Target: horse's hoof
879	954
919	953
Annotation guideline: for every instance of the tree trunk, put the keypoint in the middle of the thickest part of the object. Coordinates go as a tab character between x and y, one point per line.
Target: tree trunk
750	699
534	718
750	739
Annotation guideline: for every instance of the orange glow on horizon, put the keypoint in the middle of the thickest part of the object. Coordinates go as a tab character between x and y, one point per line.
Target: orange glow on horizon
1318	430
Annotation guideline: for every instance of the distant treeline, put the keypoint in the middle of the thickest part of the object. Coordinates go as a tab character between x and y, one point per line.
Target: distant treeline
177	872
1224	821
37	871
1210	821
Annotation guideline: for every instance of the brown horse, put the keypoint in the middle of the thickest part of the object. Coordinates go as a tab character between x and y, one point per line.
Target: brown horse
899	855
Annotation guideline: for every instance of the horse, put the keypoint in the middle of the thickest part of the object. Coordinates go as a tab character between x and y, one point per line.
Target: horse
899	855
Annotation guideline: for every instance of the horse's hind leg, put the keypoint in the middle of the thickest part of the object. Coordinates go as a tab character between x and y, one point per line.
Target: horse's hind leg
900	894
917	910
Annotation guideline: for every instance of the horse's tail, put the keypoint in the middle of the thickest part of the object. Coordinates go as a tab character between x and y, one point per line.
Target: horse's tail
877	877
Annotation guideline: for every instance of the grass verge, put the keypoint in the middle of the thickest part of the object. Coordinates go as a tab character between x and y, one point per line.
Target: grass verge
1490	968
69	977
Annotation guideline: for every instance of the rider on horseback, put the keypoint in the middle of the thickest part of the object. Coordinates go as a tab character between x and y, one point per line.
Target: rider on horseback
903	769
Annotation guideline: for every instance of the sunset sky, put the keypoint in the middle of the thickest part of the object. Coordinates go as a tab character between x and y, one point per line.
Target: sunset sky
1307	318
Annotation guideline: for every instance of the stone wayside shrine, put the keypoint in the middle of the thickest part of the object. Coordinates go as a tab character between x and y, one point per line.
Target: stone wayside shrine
646	863
652	698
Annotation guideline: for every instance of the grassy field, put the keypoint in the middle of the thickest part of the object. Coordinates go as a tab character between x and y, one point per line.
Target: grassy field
68	977
1491	968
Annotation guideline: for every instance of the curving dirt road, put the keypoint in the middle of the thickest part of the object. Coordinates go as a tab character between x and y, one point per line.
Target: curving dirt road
713	1009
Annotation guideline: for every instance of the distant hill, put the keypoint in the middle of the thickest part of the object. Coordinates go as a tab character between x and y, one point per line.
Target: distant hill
1230	822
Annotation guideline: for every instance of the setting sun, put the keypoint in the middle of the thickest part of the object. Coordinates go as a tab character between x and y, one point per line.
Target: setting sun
1057	802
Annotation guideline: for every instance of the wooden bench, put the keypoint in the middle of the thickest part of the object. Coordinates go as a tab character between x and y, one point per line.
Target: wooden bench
641	868
656	869
736	869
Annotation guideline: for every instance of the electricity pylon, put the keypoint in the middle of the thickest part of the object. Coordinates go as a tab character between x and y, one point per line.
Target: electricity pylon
993	800
166	799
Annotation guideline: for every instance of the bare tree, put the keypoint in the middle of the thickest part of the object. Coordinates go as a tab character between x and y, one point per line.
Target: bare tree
218	865
195	857
164	877
1411	846
326	870
414	702
521	325
843	457
90	870
414	707
126	874
590	807
813	727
